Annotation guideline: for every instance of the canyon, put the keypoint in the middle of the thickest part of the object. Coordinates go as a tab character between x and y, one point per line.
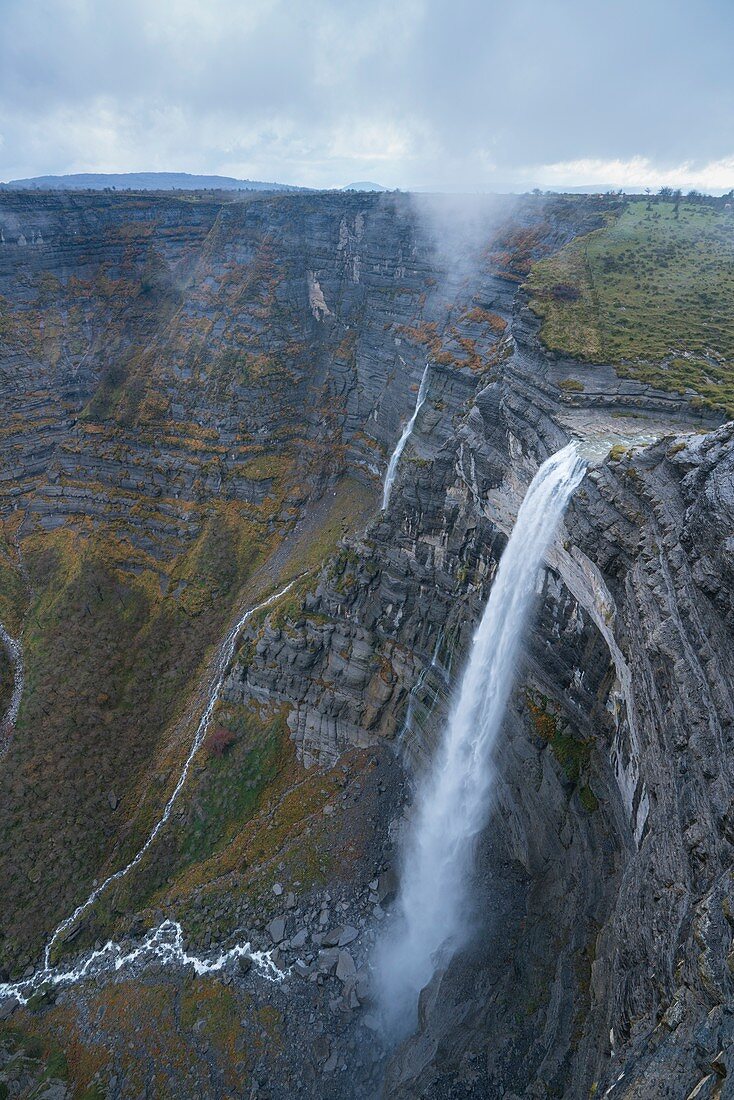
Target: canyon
200	398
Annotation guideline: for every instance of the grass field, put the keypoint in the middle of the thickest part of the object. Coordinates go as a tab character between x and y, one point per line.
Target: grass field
652	293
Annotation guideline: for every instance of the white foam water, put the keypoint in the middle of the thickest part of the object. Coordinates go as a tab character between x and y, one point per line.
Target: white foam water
453	801
162	946
392	466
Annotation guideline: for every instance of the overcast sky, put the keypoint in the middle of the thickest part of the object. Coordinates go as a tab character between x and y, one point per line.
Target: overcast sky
453	94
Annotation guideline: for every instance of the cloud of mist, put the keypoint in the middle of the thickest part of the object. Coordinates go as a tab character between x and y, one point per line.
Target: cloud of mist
465	95
459	228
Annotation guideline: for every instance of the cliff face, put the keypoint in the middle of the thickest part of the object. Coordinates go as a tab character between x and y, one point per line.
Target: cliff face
200	402
177	389
606	872
604	878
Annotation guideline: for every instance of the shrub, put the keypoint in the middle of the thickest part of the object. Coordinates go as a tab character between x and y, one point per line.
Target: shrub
219	740
565	292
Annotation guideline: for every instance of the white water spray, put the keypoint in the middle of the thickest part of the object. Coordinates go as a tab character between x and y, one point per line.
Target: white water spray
392	466
452	805
164	943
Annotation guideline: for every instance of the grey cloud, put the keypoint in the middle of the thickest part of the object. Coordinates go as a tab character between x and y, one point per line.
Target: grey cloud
413	91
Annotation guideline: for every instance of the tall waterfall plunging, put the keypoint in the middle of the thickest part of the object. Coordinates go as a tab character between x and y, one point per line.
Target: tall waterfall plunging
392	466
453	801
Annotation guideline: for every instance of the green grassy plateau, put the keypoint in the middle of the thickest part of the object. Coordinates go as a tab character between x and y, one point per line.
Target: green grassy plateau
652	293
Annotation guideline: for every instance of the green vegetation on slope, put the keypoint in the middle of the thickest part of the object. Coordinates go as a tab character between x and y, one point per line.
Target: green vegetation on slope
109	661
248	759
573	754
38	1063
651	293
229	781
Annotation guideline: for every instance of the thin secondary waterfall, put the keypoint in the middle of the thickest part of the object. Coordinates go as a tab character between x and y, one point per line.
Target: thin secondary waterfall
392	466
165	943
224	656
452	804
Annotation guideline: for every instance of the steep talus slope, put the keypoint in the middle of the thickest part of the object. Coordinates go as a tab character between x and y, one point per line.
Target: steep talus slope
239	378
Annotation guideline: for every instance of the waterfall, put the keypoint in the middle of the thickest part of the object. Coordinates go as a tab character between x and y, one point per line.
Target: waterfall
452	803
392	466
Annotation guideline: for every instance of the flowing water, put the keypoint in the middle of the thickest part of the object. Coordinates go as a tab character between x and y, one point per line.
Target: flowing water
392	466
162	946
452	805
164	943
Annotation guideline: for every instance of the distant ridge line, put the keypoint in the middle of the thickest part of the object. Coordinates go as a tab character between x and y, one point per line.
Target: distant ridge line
142	181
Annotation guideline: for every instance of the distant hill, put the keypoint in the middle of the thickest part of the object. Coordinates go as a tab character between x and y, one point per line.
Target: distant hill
364	186
143	181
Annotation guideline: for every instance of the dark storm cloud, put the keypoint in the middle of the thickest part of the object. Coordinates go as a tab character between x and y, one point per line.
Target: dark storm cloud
461	93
